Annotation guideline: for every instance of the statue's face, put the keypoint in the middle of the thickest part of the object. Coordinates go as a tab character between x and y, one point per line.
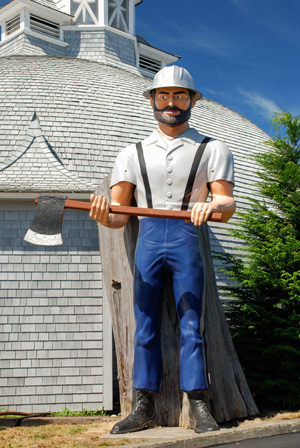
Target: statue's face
172	105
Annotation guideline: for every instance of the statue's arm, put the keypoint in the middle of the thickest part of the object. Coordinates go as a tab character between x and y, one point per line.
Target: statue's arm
121	194
221	201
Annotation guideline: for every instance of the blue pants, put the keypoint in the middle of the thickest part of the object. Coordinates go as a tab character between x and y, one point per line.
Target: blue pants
168	245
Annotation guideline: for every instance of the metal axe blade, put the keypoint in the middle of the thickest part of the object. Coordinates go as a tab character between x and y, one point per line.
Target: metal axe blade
45	229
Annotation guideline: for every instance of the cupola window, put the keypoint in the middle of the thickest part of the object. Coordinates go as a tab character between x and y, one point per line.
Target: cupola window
118	14
44	26
85	11
12	25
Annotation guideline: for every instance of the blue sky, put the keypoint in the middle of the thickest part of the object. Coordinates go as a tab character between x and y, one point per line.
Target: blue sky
243	54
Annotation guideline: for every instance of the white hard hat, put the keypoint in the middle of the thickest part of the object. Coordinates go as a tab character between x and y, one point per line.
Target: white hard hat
173	76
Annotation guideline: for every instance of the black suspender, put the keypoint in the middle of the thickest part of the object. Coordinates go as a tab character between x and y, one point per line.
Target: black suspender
191	179
193	172
144	174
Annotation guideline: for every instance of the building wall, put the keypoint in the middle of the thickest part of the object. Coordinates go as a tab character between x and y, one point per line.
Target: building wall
120	48
13	47
85	44
100	45
51	340
25	44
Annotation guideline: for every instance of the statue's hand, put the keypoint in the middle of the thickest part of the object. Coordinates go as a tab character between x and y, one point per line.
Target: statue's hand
99	209
201	211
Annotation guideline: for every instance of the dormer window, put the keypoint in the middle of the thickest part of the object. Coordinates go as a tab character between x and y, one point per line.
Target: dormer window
44	26
36	18
118	14
149	64
12	25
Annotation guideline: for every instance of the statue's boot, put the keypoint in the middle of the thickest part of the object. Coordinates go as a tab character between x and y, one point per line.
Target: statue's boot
200	418
142	415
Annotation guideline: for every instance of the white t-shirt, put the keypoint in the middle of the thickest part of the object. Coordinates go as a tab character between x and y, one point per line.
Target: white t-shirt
168	163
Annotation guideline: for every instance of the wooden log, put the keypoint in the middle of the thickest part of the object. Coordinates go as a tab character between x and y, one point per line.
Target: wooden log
229	397
117	257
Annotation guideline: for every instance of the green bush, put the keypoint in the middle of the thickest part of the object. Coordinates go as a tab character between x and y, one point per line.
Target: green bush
67	413
264	318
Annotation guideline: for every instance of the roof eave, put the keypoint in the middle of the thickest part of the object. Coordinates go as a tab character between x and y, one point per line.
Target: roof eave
167	56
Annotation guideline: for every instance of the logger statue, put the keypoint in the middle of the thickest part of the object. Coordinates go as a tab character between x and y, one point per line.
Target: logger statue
170	175
174	169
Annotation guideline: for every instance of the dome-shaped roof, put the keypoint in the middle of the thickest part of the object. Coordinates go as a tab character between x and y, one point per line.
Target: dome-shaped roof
87	112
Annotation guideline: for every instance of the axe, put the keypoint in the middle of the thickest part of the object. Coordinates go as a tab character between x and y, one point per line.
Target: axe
45	229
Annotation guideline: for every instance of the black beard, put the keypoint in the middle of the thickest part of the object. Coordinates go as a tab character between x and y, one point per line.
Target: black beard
179	119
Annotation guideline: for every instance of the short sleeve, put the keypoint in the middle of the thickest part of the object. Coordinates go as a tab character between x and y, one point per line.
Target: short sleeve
124	169
220	164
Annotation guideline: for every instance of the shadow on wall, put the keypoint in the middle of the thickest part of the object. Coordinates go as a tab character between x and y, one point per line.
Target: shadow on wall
47	48
99	45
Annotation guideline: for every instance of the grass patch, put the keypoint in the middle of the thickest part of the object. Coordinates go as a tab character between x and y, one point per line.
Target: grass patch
67	413
86	435
60	436
40	436
76	429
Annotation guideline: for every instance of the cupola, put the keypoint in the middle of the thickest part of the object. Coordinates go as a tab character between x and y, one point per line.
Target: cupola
97	30
118	14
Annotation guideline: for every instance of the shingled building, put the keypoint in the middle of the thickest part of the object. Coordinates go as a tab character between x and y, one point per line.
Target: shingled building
64	68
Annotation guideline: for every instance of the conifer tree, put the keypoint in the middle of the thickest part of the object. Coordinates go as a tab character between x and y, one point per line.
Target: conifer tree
264	316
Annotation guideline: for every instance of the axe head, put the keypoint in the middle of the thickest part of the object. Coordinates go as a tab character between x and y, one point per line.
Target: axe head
45	229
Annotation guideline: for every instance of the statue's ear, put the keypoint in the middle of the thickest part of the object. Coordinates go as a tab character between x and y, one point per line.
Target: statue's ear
194	99
152	101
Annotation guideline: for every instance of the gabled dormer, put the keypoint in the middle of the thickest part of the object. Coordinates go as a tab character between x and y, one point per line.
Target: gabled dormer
22	20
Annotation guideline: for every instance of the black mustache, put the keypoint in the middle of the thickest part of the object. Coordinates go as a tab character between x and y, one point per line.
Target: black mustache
175	109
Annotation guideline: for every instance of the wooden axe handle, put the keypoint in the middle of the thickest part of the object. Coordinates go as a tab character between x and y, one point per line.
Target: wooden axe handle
138	211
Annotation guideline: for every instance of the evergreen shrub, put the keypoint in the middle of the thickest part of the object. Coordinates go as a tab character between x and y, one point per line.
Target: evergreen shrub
264	317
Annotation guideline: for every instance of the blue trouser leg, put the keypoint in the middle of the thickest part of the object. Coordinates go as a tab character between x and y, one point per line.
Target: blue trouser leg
148	279
188	282
173	245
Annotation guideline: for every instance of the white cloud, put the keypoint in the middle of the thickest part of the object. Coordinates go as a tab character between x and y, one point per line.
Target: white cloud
264	106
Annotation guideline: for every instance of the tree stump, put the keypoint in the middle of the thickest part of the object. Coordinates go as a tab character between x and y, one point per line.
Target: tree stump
229	397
